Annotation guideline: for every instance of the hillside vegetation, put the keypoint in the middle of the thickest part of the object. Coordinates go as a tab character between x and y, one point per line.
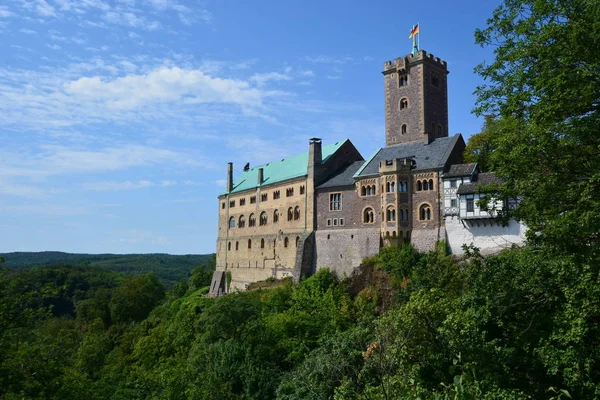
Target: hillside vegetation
410	326
170	269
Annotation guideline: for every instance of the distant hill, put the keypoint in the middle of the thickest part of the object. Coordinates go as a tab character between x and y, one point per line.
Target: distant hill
170	269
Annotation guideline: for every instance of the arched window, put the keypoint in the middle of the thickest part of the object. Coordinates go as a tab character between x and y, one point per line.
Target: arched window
419	186
263	219
275	216
403	103
290	214
425	212
373	191
249	243
241	221
392	187
262	243
252	220
297	213
231	222
229	246
363	191
368	216
403	129
297	240
433	128
431	184
286	242
387	187
391	214
237	246
439	129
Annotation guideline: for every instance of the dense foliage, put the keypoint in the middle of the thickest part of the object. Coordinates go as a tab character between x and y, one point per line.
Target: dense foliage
170	269
509	326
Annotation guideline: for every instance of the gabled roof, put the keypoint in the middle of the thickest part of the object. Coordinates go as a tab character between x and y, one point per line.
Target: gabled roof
427	156
281	170
481	179
344	177
458	170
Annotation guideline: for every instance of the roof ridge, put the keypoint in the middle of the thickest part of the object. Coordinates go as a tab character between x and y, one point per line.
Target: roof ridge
367	161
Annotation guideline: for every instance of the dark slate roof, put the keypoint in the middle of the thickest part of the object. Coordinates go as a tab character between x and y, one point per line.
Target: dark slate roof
457	170
481	179
343	177
427	156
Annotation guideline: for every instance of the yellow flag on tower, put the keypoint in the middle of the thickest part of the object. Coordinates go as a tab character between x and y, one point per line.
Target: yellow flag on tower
414	31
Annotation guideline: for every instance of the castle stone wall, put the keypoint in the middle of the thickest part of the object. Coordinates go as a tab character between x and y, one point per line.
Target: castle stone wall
342	250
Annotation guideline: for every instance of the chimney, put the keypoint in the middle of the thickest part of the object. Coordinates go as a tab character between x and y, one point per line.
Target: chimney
260	176
229	177
427	137
314	158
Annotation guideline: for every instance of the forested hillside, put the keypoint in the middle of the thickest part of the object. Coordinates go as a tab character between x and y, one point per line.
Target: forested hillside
411	326
170	269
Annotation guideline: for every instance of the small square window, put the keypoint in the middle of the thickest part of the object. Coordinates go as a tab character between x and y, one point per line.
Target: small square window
243	201
335	222
328	221
264	197
223	206
453	203
341	221
453	183
252	199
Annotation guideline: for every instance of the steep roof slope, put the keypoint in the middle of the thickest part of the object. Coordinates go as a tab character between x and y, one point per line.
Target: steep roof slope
426	155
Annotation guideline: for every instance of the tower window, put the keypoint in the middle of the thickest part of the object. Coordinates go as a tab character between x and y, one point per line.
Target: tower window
403	129
435	80
403	103
368	216
439	129
425	212
391	214
403	80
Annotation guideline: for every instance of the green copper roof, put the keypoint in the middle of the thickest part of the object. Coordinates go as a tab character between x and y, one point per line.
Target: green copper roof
281	170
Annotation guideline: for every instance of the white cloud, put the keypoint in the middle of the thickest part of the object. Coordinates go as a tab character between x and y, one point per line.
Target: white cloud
5	12
28	31
164	85
261	79
130	19
54	46
334	77
127	185
308	73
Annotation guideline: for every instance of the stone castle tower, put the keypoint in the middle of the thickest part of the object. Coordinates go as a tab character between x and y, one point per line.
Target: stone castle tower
416	98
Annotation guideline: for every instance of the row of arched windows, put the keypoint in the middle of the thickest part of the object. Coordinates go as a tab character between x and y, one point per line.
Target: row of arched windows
293	214
369	190
403	214
286	243
424	185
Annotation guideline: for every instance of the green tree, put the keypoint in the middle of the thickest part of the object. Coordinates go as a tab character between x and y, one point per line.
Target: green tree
481	146
134	300
544	86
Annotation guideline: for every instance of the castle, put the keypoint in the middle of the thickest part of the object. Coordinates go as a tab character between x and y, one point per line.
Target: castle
330	208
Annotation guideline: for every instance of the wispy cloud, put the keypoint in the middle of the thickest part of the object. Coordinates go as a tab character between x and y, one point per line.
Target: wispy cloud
261	79
5	12
28	31
328	60
126	185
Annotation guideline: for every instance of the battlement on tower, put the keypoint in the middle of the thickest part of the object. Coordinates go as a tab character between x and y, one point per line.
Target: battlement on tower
401	63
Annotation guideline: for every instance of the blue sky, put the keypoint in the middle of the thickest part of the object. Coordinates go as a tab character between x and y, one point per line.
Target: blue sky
118	117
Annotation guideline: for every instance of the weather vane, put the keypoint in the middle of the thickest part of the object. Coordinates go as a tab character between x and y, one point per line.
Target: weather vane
414	34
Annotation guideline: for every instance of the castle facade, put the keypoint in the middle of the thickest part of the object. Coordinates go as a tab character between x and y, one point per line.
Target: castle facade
330	208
